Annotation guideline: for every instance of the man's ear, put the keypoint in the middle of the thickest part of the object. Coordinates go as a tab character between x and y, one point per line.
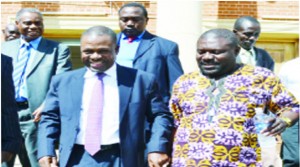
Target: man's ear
117	49
237	50
234	31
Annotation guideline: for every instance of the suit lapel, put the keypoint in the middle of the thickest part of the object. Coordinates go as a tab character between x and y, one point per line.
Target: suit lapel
125	84
76	88
146	43
40	53
259	58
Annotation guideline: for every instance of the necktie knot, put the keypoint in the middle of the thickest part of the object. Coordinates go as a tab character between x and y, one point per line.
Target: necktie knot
131	39
100	76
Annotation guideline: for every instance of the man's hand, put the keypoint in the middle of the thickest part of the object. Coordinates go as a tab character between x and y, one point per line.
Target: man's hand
277	127
37	113
6	156
156	159
48	161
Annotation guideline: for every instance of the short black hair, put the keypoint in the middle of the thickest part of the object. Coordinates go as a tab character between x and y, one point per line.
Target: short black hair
99	31
241	20
135	4
221	33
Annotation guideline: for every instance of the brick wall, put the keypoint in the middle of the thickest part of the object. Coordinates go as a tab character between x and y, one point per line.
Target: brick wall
269	10
9	9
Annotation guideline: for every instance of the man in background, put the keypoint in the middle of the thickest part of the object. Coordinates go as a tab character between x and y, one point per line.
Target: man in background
139	49
11	32
247	30
290	137
35	61
10	130
142	50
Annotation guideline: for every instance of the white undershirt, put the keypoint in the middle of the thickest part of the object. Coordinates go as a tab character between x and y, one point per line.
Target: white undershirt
110	124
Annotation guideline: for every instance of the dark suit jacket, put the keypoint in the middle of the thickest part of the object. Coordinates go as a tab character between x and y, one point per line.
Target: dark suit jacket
51	58
159	56
263	59
139	101
10	129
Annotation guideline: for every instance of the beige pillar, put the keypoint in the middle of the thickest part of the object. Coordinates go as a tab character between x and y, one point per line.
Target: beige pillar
180	21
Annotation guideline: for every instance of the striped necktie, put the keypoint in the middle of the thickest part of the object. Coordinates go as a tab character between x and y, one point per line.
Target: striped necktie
20	65
94	117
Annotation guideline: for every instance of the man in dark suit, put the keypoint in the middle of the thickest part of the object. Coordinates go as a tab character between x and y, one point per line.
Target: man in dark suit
247	30
142	50
35	61
10	130
129	98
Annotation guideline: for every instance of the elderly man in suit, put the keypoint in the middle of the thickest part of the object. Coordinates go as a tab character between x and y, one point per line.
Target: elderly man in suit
10	129
125	99
35	61
247	30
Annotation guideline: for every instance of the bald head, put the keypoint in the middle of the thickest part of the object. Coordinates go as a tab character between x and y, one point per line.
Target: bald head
226	34
245	20
100	31
11	32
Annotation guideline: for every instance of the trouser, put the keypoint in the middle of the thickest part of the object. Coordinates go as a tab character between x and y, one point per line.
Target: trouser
290	146
28	151
104	158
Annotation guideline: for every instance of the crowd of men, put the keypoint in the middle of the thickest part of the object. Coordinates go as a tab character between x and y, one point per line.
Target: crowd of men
131	105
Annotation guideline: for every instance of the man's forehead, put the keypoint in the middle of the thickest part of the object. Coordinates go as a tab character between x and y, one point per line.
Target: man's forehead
131	10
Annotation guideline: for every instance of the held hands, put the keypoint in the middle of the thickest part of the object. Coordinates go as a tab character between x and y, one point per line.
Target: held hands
277	126
157	159
6	156
48	161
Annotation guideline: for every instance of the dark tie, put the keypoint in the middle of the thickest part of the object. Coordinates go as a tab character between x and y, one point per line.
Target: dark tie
20	67
94	118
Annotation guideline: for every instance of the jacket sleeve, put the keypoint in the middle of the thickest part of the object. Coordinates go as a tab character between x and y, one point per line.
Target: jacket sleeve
10	129
49	126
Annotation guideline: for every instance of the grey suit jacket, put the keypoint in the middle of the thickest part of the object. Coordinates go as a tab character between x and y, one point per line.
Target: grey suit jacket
52	58
139	102
10	130
160	57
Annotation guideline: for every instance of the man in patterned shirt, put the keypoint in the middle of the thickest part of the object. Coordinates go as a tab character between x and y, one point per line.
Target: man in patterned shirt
214	107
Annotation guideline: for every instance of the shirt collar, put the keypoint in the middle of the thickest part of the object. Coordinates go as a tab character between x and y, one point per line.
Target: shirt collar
137	38
111	72
34	43
244	50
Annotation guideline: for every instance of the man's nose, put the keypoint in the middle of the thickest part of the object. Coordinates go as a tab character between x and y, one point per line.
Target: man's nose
96	55
130	22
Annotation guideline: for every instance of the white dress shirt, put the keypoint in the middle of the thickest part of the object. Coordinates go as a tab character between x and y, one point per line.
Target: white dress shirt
247	57
110	124
289	76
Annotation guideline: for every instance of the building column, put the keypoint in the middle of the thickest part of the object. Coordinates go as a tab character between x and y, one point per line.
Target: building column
180	21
